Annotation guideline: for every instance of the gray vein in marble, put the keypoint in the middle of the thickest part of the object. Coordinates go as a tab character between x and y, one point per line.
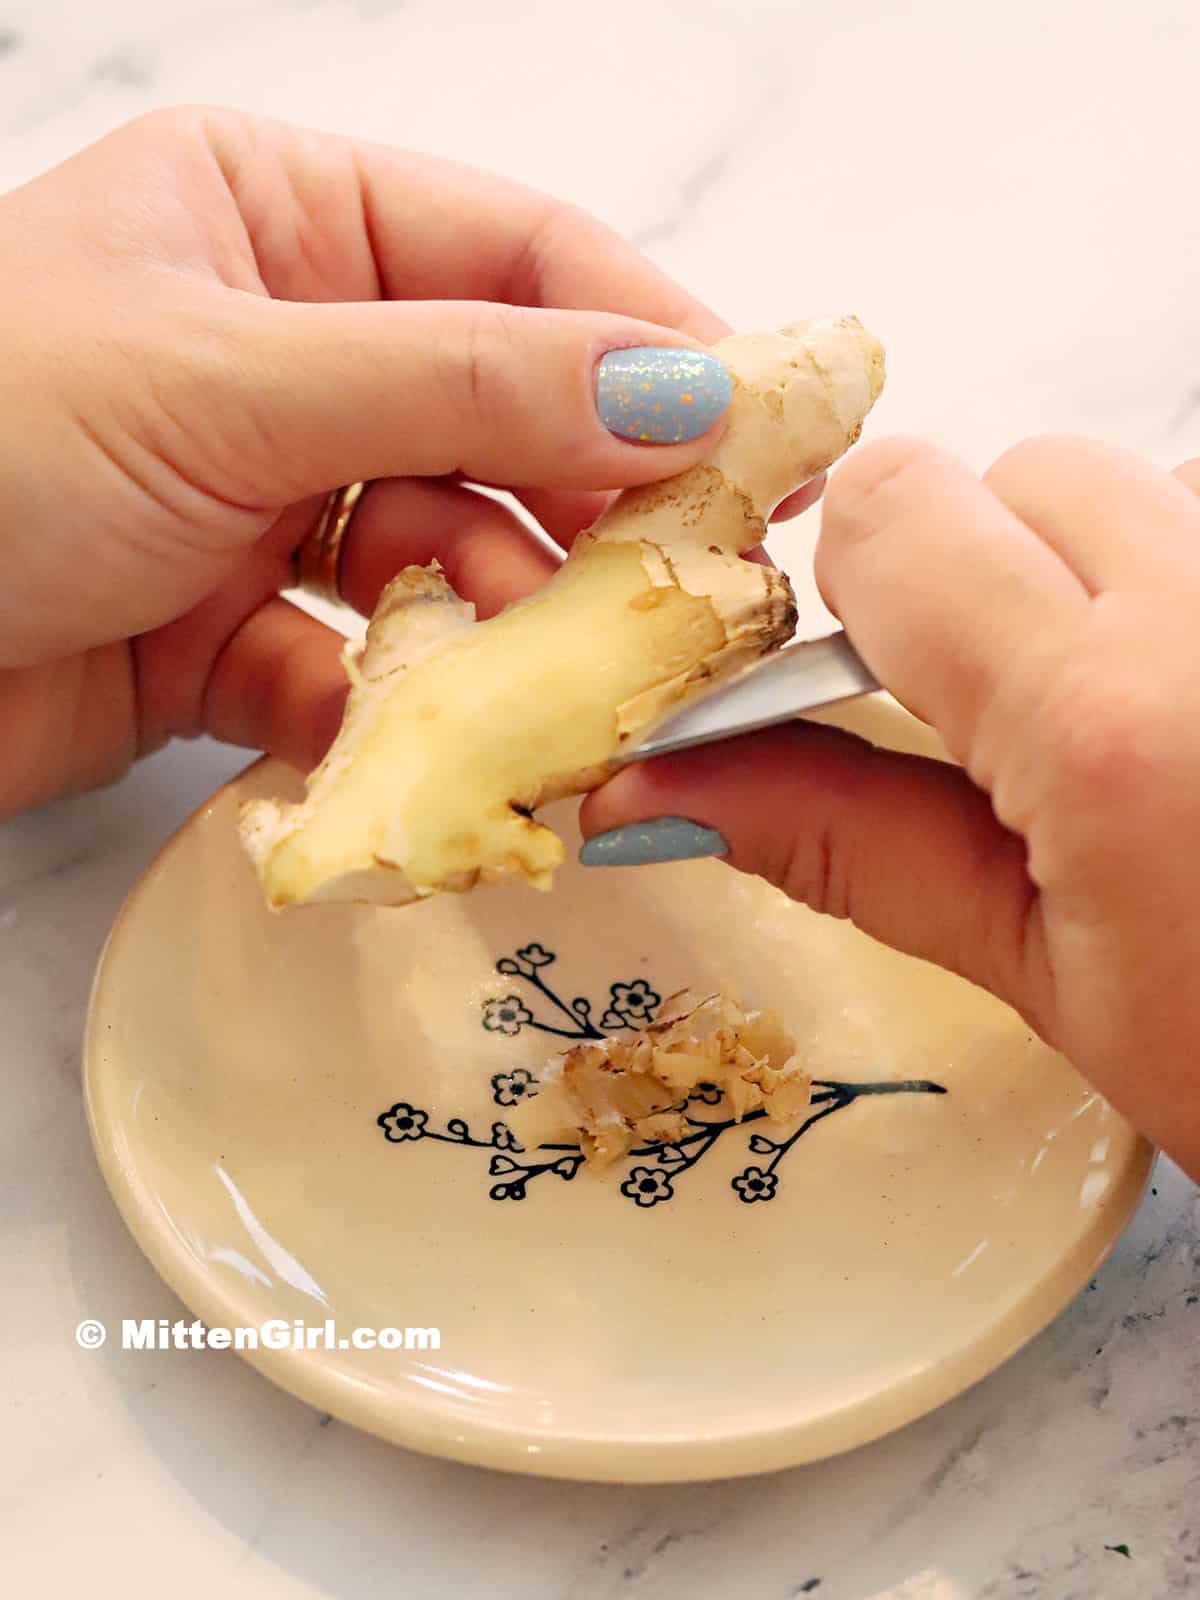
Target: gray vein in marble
10	40
955	1458
635	1569
653	1545
279	1502
1017	1583
1186	411
695	187
128	65
68	97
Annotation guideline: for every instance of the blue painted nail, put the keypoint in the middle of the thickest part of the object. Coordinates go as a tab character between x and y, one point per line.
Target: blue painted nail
638	844
661	396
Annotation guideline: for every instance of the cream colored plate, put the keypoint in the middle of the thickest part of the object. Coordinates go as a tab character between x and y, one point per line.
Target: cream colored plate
295	1115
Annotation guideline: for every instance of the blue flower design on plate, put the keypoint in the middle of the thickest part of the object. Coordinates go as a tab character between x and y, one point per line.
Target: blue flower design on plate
657	1167
402	1122
648	1186
755	1184
506	1016
708	1093
510	1088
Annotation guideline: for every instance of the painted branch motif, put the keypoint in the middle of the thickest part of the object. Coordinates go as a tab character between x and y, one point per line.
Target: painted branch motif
656	1167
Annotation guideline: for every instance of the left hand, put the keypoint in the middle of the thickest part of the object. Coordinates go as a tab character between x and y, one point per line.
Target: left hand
207	322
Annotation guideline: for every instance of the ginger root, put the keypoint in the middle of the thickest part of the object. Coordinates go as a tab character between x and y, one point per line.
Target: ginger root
456	731
616	1094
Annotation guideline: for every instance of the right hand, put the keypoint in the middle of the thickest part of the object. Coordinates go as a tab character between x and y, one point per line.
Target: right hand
1046	622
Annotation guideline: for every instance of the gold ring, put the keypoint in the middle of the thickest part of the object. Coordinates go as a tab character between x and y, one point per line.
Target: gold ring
318	560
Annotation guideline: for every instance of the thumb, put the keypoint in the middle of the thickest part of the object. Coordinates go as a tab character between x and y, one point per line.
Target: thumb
332	393
903	845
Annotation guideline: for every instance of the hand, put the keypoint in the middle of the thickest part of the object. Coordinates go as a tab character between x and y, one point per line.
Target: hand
208	322
1046	622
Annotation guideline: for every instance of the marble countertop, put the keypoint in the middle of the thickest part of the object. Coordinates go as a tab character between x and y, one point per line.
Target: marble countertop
1010	204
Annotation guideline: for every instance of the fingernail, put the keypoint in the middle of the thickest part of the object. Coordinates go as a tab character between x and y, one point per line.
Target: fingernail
660	396
638	844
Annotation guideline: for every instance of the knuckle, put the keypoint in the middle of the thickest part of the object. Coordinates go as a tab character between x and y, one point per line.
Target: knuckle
1103	760
557	224
561	231
811	857
816	872
477	353
1111	750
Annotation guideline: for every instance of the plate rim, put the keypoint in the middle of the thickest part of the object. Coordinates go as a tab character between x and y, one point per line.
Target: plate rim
421	1425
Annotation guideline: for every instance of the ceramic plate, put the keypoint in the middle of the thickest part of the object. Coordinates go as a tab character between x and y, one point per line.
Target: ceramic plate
302	1117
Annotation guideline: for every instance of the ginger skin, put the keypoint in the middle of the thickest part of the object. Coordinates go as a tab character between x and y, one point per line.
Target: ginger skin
456	731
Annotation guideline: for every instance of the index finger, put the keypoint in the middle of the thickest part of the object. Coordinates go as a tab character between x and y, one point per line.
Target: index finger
434	230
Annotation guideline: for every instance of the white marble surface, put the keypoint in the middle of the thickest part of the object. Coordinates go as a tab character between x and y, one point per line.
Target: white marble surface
1010	203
